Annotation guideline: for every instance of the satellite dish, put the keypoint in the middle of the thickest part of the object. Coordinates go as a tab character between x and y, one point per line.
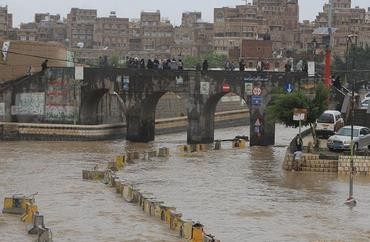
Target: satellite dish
80	45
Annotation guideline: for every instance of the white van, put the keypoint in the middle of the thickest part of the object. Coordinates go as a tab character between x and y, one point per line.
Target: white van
328	123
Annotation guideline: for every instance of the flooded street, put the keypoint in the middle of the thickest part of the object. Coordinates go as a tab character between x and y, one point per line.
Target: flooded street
239	195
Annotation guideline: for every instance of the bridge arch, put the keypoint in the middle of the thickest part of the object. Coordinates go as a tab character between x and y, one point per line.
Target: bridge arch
141	117
203	125
89	106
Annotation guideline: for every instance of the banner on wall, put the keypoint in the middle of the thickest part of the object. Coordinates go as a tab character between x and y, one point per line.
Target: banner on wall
311	68
204	88
5	49
79	73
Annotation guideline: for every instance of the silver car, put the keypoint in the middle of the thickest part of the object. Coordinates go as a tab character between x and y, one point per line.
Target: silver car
365	103
342	139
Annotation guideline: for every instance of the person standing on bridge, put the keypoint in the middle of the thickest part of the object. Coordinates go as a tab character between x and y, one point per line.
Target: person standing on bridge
44	65
205	65
241	65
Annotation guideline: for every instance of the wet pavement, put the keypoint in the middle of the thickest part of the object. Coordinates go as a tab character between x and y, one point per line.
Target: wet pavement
240	195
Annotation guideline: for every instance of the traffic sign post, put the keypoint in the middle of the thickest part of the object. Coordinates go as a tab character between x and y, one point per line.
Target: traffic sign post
300	114
257	91
289	87
257	101
248	88
226	88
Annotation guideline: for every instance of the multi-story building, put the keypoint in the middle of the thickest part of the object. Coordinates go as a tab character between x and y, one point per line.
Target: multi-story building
193	37
346	21
135	41
232	25
46	27
111	32
156	34
189	19
46	17
28	32
50	28
282	18
80	27
364	37
306	28
10	21
6	21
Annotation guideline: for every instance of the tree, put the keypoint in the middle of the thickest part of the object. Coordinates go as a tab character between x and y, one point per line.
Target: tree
356	58
214	60
283	104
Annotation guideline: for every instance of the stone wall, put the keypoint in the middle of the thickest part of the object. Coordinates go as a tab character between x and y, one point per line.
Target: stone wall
310	163
313	163
361	163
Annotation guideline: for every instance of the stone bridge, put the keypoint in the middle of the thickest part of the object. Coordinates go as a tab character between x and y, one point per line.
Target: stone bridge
56	97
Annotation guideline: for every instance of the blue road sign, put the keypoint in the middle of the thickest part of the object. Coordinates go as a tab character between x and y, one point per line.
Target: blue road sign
288	87
256	101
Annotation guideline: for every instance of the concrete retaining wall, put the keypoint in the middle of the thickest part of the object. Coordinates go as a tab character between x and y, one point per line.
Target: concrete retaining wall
31	131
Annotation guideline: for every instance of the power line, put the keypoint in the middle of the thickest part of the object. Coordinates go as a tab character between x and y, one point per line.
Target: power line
38	56
44	57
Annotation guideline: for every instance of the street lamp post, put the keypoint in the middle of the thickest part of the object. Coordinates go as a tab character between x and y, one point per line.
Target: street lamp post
350	200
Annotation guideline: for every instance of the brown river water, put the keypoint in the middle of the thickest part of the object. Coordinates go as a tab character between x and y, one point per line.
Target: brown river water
239	195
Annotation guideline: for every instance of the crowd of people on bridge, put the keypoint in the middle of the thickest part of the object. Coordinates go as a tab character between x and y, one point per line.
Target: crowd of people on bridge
158	64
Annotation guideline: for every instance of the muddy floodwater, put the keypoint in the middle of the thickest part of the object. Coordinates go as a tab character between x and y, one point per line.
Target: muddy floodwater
239	195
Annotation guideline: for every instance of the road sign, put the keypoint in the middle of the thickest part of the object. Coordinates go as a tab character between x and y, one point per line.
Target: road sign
300	114
256	101
226	87
288	87
126	83
257	91
248	88
204	88
257	123
79	73
311	68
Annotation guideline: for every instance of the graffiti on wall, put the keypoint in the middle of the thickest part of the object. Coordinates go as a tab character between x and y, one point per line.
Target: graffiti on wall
59	101
2	109
55	113
32	103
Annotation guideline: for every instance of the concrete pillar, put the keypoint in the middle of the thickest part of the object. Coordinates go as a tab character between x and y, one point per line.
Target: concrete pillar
141	126
201	126
262	130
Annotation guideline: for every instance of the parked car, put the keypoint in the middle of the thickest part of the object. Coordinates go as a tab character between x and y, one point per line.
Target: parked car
328	123
365	103
342	139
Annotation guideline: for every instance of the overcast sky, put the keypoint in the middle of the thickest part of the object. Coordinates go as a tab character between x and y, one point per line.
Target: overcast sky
23	10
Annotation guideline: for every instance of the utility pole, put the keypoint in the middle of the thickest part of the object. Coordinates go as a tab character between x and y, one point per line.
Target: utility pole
329	47
350	200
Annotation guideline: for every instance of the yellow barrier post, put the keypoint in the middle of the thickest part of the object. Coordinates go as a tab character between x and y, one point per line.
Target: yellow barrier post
198	235
186	229
175	221
120	162
31	210
16	204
